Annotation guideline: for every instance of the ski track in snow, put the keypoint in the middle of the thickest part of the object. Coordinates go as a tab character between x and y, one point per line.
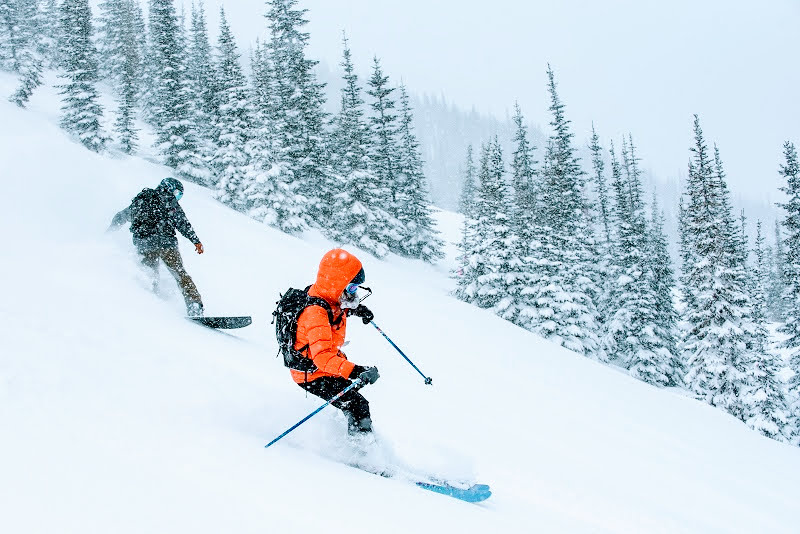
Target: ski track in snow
120	416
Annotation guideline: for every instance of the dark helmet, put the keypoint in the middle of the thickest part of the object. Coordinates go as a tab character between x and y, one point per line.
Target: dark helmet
171	185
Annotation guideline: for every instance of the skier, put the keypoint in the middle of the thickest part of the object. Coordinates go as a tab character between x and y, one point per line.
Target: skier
320	337
154	215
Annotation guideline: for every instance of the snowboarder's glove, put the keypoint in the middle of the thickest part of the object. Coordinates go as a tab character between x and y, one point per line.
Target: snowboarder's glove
198	247
364	312
368	375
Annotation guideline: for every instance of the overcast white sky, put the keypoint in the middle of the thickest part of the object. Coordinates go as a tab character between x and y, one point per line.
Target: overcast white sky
639	66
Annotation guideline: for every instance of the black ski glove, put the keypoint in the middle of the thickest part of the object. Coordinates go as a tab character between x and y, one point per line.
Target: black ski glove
368	375
363	312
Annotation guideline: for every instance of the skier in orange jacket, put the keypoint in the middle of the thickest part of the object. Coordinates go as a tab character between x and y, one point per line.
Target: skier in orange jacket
321	339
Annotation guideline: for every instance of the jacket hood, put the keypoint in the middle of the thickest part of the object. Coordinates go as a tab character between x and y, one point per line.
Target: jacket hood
337	268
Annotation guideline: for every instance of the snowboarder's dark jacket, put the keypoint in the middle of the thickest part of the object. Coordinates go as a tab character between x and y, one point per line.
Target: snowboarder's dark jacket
164	220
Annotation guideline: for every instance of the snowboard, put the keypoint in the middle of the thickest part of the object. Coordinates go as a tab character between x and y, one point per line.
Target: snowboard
222	322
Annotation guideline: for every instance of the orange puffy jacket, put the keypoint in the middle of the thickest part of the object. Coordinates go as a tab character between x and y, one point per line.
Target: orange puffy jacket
337	268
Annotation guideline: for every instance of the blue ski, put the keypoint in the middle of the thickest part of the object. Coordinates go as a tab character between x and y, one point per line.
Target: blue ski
475	493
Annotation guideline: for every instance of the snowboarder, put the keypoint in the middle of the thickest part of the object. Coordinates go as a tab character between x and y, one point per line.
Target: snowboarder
320	337
154	215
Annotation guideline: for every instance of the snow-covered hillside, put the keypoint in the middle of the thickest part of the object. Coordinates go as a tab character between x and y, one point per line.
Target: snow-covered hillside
118	415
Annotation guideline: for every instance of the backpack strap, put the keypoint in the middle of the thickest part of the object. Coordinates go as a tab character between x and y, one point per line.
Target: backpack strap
322	303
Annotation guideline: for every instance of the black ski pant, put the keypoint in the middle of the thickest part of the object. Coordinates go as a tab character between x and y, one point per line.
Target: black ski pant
172	259
352	403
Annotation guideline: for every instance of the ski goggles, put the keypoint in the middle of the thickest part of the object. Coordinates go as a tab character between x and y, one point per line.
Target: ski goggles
178	194
351	289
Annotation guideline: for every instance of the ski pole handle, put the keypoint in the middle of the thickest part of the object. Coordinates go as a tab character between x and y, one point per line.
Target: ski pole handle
428	380
357	384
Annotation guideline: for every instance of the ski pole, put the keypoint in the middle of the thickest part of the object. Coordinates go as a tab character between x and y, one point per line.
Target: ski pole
356	384
428	380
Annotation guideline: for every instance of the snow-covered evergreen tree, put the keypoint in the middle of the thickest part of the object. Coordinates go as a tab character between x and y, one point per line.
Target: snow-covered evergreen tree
350	144
121	61
523	177
790	172
270	187
716	341
299	116
599	179
10	22
777	285
384	128
203	81
24	38
358	201
124	126
469	189
172	106
605	278
563	280
764	403
464	273
524	218
110	40
634	337
420	238
663	284
234	125
47	24
81	112
493	256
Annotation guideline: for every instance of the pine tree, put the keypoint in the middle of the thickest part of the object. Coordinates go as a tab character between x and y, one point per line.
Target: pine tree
110	40
420	237
634	338
790	171
81	111
270	187
605	258
172	105
464	273
765	406
663	283
48	27
351	140
774	273
24	39
9	38
716	340
469	189
234	126
124	126
523	177
203	80
564	278
598	165
123	63
299	116
493	257
357	199
384	128
740	287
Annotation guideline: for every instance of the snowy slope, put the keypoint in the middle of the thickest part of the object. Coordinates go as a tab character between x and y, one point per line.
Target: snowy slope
117	415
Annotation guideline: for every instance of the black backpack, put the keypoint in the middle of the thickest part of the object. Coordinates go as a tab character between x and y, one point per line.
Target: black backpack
147	213
285	316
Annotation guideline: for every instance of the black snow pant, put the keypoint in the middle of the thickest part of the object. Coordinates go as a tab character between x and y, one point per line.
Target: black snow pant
352	403
172	259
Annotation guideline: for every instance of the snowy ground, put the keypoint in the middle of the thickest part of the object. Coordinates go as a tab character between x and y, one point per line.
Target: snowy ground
118	415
